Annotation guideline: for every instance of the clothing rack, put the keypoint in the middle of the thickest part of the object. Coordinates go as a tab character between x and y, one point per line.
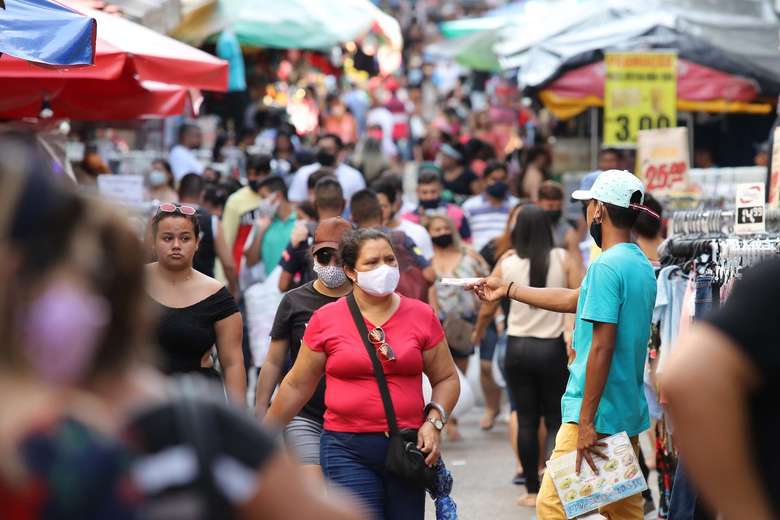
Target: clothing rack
718	221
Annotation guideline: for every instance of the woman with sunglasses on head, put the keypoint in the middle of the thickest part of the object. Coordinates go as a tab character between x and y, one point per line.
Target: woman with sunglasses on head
294	312
408	340
196	311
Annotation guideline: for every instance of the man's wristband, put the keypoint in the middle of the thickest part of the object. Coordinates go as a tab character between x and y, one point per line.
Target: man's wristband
508	289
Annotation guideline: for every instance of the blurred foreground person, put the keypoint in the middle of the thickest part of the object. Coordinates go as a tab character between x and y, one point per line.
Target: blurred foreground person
408	340
725	410
303	433
87	428
197	312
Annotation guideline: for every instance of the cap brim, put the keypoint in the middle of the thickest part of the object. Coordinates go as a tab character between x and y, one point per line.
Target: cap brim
582	195
324	245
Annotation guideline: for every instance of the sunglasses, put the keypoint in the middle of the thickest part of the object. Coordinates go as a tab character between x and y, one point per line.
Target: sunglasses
324	256
377	338
170	207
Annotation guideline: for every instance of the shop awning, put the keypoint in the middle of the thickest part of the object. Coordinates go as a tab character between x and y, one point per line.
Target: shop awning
45	32
290	24
137	73
699	89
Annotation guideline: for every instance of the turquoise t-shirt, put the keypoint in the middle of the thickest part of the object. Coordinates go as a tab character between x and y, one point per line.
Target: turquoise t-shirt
618	288
275	241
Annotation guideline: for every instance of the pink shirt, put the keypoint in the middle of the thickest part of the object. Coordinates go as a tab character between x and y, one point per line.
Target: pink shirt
352	400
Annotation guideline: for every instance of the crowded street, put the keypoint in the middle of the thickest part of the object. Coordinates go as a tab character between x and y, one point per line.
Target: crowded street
389	259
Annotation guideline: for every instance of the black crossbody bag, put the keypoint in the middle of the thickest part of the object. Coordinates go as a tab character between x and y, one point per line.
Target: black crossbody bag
404	459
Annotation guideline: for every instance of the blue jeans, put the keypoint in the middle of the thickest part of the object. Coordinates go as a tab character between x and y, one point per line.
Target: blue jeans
356	462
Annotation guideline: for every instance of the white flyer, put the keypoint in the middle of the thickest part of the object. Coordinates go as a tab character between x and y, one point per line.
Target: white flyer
459	282
619	477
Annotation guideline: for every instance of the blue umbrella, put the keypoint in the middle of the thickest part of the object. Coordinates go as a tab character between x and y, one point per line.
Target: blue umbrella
46	32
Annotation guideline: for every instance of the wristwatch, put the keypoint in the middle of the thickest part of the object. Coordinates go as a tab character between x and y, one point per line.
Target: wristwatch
437	423
439	408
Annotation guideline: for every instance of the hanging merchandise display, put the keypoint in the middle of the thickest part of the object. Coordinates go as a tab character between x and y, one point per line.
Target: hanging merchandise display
640	94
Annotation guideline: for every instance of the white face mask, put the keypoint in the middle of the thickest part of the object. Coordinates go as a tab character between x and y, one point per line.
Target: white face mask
380	281
157	178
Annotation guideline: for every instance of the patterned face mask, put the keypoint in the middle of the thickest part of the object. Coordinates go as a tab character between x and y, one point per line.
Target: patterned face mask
331	275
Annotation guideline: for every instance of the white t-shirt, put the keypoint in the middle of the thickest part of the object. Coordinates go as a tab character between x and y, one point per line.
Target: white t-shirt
419	236
350	179
184	161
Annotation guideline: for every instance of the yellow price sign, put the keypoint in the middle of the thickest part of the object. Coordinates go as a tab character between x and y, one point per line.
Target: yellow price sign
640	93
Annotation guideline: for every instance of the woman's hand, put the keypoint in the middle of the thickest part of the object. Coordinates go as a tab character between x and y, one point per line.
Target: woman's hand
428	440
489	289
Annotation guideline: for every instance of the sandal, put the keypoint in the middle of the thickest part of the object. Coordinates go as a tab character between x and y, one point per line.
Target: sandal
519	479
488	420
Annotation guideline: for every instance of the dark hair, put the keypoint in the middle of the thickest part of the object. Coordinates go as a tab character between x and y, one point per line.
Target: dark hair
533	153
428	177
162	215
336	139
274	184
191	186
504	242
617	152
390	186
328	194
550	190
260	163
216	195
532	238
315	177
492	166
624	218
647	226
352	242
309	209
365	207
187	128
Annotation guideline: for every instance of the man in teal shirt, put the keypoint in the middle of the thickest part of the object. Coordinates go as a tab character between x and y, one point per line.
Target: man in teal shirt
274	224
614	307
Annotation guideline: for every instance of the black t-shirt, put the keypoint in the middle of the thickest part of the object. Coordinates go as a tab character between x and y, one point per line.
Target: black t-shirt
290	322
166	457
185	334
206	254
750	317
297	260
461	185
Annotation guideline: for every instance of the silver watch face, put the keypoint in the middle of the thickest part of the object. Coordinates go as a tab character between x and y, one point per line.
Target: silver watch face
437	423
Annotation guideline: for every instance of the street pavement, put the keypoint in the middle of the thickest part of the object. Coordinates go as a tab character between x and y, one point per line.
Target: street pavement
482	465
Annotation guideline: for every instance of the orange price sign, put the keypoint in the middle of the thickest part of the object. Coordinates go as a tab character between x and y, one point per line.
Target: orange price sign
663	160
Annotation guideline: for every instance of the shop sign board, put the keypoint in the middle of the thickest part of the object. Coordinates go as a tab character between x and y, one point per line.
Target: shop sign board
750	208
126	189
640	93
663	160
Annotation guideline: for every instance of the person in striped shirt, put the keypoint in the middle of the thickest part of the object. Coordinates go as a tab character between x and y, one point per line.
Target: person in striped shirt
487	213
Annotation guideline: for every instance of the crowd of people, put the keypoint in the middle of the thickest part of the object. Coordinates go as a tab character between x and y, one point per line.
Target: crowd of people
129	363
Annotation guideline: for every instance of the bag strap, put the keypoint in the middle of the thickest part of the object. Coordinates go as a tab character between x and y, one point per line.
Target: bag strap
379	373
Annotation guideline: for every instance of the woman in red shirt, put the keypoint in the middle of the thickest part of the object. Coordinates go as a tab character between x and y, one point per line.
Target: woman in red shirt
354	443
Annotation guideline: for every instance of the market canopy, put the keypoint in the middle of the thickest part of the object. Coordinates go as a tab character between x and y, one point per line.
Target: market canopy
46	32
137	73
740	40
290	24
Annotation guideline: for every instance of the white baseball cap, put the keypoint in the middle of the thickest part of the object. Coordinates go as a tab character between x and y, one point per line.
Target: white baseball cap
614	187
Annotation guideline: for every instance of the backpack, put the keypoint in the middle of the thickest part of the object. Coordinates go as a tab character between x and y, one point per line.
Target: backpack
412	283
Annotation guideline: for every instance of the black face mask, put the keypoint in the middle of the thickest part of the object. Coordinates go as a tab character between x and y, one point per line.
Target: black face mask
554	215
326	159
497	190
442	240
596	232
430	204
254	184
